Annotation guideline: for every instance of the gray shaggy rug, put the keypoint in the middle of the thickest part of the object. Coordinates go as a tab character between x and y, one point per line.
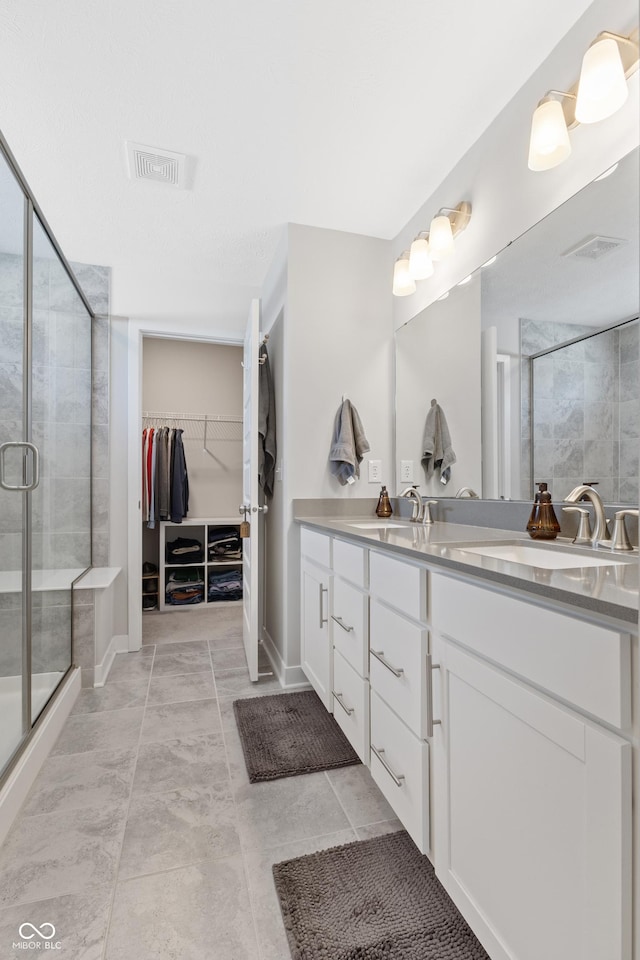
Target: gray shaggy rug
374	899
290	733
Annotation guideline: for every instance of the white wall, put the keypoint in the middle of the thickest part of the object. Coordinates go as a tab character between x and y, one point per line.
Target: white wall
339	342
200	378
507	198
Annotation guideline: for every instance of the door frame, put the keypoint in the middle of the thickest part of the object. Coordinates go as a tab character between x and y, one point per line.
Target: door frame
137	331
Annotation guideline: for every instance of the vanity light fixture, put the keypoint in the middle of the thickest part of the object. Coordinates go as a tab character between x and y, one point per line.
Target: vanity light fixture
403	282
436	244
602	88
601	91
420	262
549	142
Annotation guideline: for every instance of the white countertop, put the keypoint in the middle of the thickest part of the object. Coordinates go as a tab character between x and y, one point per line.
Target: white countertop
609	591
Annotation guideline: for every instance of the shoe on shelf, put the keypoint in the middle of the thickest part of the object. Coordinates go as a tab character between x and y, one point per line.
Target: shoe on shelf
148	568
149	603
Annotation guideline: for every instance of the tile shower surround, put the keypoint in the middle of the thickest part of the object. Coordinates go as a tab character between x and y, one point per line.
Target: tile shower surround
142	836
53	317
587	409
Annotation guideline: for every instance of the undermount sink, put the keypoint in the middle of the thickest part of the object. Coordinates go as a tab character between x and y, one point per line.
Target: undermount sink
376	524
536	555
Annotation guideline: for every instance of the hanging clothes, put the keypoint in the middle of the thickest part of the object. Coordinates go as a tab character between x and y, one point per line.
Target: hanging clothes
179	480
267	449
165	480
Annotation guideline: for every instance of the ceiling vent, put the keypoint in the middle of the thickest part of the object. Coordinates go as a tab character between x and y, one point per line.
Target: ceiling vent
593	247
152	163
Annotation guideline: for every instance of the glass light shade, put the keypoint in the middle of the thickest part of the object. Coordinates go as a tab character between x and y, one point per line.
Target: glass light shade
602	88
440	238
403	282
549	142
420	262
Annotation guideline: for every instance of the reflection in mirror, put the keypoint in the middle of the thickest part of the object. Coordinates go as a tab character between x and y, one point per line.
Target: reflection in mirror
584	414
571	275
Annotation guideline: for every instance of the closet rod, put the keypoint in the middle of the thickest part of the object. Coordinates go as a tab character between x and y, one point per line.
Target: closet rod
193	417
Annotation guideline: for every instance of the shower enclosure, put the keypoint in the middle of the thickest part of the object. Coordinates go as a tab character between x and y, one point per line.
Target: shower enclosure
45	460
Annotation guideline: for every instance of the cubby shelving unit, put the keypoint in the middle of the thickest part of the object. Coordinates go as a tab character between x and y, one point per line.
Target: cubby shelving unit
195	529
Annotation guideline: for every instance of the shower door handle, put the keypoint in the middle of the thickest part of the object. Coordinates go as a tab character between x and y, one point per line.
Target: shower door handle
35	480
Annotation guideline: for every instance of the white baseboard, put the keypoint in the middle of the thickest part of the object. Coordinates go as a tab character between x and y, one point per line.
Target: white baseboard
118	644
21	778
291	678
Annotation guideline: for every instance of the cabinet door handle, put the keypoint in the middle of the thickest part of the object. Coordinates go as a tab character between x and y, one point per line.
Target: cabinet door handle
323	620
379	655
347	710
431	723
397	778
344	626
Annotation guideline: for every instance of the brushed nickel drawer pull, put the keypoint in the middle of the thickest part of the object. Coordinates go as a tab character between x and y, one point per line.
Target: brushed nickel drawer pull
431	666
396	777
323	619
347	710
344	626
379	655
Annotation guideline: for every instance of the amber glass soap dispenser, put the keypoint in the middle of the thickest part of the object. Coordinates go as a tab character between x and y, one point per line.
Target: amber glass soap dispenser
543	523
384	504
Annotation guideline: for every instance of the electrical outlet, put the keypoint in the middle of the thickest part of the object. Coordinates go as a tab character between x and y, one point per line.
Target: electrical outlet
375	471
406	471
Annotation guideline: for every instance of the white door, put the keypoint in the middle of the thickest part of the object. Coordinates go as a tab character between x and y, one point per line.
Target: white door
533	817
250	507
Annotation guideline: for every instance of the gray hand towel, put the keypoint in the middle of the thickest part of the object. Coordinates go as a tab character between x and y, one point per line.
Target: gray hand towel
437	451
349	444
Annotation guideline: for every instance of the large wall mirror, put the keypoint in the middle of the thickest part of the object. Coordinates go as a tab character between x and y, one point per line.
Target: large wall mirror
548	335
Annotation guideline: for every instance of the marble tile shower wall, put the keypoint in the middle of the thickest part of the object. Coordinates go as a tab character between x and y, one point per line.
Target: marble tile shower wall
63	388
586	410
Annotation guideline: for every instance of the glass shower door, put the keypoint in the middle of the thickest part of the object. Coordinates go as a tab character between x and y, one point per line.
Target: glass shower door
61	505
16	463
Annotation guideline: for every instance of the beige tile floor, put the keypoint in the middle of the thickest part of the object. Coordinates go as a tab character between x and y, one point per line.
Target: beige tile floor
142	836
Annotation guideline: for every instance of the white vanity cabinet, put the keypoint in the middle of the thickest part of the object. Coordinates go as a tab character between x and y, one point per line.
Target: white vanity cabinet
397	674
315	588
350	633
532	825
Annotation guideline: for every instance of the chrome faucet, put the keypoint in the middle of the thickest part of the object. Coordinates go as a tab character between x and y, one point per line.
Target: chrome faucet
584	492
470	493
412	493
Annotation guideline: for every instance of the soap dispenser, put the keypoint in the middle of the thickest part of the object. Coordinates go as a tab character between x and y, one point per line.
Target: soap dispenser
533	516
545	526
384	504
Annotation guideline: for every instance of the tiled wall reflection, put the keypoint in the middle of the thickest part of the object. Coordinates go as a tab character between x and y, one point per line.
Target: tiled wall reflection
586	415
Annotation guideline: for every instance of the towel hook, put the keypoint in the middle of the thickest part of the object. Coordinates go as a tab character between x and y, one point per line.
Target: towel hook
434	402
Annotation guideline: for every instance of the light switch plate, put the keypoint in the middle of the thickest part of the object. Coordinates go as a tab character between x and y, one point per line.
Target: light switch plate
375	471
406	471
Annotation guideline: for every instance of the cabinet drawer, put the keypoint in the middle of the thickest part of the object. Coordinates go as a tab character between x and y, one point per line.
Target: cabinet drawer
349	562
349	625
407	758
403	646
403	585
315	546
351	706
587	665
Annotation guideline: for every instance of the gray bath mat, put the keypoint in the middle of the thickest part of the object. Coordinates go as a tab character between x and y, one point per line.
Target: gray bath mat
290	733
374	899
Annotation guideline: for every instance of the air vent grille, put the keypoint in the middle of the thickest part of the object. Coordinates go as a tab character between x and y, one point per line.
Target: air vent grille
152	163
594	247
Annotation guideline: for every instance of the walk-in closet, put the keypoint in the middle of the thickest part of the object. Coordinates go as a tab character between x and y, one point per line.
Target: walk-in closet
191	450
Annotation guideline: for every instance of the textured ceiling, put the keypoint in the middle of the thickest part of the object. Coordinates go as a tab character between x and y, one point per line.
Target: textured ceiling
341	115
